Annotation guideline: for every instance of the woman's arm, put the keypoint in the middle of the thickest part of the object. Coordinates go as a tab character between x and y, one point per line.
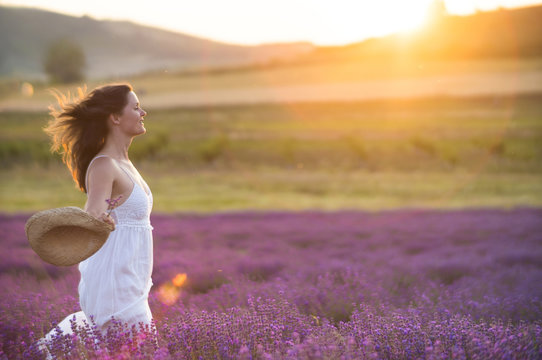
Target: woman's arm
101	175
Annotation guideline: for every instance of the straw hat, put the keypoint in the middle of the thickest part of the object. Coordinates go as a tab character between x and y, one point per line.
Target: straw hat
66	236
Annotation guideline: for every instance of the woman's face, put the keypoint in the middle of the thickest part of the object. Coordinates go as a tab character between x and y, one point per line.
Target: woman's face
131	119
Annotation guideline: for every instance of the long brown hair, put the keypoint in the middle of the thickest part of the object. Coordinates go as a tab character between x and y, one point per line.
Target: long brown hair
80	128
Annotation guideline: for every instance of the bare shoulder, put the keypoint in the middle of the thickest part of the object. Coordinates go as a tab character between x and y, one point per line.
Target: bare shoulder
102	165
103	169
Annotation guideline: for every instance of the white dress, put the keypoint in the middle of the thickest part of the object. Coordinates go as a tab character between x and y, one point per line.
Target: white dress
116	280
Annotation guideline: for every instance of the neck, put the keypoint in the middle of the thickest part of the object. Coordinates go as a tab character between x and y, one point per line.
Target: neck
117	146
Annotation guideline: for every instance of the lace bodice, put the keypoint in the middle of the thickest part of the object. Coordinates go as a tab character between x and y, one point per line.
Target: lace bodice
136	210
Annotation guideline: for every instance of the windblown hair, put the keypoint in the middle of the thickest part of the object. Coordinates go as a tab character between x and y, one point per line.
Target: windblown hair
79	129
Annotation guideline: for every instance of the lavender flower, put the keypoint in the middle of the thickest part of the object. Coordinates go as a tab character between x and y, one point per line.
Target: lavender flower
112	203
401	284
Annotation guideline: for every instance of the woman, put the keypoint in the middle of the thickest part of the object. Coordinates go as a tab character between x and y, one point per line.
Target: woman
95	133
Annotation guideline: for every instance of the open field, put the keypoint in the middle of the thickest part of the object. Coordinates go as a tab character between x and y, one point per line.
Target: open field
455	276
313	285
433	152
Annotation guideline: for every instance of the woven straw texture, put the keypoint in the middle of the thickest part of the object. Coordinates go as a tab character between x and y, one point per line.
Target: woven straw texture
66	236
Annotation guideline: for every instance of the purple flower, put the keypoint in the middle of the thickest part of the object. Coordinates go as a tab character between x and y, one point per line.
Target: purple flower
112	203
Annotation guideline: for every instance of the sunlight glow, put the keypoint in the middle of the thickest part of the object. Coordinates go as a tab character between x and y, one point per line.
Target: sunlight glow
253	22
344	24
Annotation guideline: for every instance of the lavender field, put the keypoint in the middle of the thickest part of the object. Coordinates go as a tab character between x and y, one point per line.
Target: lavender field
400	284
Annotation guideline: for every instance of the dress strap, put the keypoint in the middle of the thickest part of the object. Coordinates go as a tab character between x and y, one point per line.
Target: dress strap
127	173
123	169
88	167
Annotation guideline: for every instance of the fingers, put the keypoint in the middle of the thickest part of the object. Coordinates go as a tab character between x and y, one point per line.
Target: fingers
108	219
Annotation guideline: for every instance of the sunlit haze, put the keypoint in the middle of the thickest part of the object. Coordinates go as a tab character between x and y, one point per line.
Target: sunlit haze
253	22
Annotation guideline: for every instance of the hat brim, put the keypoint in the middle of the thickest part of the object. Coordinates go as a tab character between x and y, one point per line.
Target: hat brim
66	236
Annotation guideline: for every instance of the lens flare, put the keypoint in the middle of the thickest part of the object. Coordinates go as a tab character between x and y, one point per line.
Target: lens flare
168	293
179	279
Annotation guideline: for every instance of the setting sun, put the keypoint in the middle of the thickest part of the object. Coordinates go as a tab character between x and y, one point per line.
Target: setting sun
344	24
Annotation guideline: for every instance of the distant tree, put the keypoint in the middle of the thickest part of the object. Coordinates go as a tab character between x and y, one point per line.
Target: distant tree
64	61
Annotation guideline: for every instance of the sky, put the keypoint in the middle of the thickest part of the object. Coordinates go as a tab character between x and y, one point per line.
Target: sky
252	22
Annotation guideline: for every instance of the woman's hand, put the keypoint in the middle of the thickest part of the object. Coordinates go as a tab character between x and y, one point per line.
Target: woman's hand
105	217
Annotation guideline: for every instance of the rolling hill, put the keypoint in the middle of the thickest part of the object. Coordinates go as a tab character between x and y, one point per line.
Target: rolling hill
115	48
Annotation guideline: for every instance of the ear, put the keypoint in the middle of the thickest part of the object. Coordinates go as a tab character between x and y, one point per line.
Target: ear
114	118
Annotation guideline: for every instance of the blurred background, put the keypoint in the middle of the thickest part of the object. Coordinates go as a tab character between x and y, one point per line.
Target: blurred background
291	106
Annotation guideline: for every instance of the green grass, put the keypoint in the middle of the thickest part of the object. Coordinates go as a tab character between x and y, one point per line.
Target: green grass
434	134
175	190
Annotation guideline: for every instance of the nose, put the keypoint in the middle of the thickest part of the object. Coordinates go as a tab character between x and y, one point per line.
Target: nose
144	112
